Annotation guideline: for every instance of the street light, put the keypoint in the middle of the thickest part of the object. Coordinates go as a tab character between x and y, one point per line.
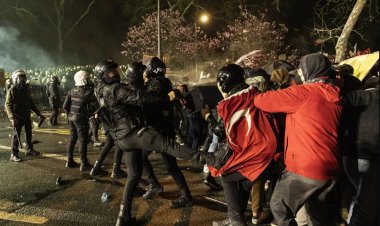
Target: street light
203	18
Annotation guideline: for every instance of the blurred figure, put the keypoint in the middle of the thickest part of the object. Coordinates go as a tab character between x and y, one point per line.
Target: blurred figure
365	209
54	99
280	79
19	105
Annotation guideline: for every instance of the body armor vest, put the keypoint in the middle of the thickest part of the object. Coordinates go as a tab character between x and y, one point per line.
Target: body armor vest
122	118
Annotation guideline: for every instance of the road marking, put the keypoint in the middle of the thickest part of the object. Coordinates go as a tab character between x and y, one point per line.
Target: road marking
46	155
33	219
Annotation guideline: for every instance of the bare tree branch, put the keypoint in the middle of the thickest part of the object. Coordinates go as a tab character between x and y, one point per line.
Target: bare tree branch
79	19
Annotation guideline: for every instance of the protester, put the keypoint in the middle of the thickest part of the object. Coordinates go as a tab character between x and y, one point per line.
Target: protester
251	154
311	142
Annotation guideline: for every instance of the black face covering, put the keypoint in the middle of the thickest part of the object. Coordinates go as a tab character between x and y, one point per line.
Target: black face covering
21	81
111	80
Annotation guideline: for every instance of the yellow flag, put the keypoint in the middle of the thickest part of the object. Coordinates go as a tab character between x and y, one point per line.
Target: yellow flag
362	64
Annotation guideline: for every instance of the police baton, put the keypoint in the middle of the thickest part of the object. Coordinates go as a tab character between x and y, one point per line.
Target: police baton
18	138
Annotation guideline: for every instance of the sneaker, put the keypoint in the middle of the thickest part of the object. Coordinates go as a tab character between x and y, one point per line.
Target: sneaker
15	158
32	152
262	217
98	143
85	166
152	191
182	201
224	222
71	164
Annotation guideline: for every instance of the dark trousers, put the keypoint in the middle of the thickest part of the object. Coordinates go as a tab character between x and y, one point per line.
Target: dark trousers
94	128
173	169
17	132
133	161
149	139
292	191
54	116
237	190
107	148
78	130
367	201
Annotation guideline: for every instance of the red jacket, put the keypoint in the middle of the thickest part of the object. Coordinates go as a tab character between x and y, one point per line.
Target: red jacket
250	133
311	133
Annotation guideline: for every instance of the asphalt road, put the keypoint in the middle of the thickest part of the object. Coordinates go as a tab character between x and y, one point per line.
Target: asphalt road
29	194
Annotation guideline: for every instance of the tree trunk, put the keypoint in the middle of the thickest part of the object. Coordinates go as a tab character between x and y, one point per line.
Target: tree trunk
341	45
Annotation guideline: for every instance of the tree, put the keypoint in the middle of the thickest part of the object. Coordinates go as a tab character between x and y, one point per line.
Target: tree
53	14
336	24
341	44
180	41
250	32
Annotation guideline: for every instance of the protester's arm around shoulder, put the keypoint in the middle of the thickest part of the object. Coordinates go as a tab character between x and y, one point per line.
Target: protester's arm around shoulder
285	100
357	98
138	97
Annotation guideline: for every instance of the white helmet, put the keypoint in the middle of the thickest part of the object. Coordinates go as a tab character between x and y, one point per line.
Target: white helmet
18	76
80	78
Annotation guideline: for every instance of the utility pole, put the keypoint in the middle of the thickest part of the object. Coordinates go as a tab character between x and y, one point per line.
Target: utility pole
158	30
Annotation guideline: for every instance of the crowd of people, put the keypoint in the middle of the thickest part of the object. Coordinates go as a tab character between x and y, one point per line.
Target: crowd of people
302	144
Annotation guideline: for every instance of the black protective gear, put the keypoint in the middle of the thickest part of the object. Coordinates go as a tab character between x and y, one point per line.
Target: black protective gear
155	68
230	76
135	73
102	67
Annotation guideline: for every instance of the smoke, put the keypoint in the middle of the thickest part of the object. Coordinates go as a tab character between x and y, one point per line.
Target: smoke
17	53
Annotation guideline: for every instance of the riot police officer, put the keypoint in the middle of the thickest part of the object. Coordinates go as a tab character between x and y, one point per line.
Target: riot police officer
54	99
128	131
80	104
160	117
134	81
19	105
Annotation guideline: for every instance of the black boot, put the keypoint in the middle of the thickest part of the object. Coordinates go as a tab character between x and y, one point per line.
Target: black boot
97	169
152	191
211	182
124	218
117	172
182	201
85	166
71	163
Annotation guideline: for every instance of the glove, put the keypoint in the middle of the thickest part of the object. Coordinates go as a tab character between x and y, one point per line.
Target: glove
205	112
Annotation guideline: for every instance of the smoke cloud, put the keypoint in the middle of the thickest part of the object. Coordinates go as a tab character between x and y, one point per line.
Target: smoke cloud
16	53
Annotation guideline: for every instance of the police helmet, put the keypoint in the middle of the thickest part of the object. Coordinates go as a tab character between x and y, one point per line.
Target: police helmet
229	76
81	77
104	66
19	77
155	68
135	72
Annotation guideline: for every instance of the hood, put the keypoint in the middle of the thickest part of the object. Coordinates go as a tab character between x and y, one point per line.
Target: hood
315	65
